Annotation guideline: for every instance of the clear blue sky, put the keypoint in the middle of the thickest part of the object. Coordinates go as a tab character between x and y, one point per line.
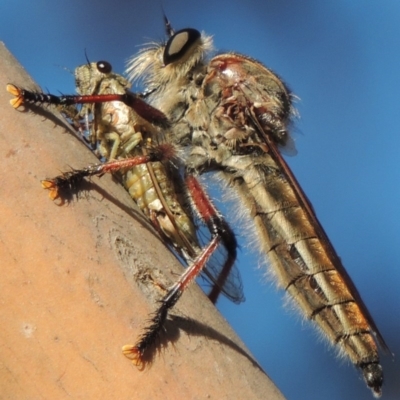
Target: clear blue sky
342	59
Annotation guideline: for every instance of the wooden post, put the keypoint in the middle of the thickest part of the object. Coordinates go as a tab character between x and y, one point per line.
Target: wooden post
78	282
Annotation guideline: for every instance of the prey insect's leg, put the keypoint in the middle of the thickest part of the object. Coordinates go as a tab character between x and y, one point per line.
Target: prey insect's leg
221	234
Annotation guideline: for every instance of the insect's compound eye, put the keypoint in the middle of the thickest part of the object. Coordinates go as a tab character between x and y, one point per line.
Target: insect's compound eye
104	67
179	44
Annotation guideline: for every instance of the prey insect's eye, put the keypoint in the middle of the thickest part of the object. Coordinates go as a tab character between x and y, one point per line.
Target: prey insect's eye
179	43
104	67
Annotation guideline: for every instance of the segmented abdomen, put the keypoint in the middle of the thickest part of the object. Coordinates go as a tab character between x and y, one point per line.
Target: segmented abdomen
304	263
157	199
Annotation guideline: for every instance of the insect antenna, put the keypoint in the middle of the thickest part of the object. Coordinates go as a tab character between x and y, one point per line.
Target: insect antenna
168	27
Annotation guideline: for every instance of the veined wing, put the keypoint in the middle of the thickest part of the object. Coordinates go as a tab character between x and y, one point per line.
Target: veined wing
253	95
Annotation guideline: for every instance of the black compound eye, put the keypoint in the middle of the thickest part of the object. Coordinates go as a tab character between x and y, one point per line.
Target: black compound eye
104	67
179	44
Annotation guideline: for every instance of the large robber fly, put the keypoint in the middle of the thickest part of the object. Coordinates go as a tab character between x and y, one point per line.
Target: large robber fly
231	114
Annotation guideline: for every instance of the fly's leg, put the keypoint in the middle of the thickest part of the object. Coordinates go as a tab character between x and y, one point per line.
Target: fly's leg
218	228
143	109
222	234
69	181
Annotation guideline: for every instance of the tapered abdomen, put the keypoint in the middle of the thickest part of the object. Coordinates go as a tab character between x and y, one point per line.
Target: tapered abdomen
306	265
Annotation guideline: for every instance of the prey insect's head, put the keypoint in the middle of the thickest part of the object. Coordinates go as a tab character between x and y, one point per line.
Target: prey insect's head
89	77
162	63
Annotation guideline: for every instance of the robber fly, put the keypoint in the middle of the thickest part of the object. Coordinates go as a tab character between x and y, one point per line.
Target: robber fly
232	115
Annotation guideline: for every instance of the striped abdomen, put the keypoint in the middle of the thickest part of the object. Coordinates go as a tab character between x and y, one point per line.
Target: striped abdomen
305	263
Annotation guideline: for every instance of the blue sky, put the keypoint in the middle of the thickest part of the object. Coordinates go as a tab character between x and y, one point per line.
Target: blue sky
342	59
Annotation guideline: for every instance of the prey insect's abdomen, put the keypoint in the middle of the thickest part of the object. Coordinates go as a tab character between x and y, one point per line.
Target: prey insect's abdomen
156	205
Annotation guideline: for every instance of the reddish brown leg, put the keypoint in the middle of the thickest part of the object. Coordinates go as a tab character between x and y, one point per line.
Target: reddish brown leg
69	181
132	100
221	234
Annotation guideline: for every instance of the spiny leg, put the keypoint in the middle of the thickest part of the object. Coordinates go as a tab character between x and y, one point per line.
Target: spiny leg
221	234
132	100
217	226
69	181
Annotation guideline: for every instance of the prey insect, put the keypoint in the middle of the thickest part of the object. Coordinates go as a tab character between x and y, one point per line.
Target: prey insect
156	187
232	115
148	172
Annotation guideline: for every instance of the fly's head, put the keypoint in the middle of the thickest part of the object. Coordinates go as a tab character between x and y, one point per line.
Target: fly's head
172	61
172	70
